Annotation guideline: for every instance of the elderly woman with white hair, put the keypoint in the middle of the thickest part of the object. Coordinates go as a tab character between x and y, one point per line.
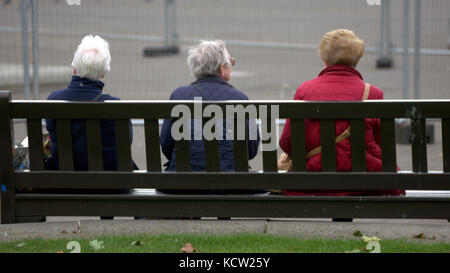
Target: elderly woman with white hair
211	65
90	64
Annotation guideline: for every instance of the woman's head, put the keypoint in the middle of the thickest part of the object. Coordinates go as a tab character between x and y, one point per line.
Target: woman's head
92	58
341	46
210	58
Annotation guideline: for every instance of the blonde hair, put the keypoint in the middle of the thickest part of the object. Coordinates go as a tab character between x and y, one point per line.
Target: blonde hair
341	46
92	58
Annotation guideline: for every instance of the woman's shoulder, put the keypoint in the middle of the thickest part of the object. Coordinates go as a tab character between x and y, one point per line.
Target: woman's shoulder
182	92
375	93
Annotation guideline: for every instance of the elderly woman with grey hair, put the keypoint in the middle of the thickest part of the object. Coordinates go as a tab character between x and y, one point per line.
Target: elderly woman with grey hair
211	65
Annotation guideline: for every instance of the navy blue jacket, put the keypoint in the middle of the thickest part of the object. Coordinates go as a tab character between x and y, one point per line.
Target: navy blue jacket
215	89
83	89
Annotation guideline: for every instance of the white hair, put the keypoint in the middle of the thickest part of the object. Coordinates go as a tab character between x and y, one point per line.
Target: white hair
92	58
206	57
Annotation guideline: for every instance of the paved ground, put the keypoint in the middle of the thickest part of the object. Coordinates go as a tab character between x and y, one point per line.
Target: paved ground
434	231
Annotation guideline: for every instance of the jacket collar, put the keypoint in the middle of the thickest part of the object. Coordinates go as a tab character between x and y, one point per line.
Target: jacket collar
85	83
340	70
212	79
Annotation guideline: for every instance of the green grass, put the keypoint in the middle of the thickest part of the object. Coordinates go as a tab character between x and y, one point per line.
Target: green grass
247	243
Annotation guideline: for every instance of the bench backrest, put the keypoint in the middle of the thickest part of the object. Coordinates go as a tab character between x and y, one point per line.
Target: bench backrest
151	111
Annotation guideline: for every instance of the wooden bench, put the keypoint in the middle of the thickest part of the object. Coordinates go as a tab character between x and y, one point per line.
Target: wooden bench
15	205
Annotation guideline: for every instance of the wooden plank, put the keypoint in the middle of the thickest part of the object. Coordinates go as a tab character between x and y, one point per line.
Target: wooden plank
64	140
358	140
288	109
234	206
34	130
446	144
182	157
240	148
152	145
298	145
94	145
388	148
7	185
269	156
123	142
231	180
419	145
212	155
328	143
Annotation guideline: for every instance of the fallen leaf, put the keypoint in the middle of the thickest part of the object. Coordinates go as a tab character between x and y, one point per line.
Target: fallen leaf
137	243
370	239
357	233
420	236
64	232
59	252
97	245
188	248
353	251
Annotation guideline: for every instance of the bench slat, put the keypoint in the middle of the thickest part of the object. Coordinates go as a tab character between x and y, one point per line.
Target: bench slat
183	163
212	155
388	148
288	109
419	145
124	161
298	146
328	143
269	157
446	144
65	148
34	129
233	206
232	180
94	145
152	145
358	142
240	149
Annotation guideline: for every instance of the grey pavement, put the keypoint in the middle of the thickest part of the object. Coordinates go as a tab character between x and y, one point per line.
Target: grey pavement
91	227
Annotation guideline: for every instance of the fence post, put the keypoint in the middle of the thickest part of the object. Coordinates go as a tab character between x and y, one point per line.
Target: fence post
7	187
25	54
405	49
35	47
385	59
417	51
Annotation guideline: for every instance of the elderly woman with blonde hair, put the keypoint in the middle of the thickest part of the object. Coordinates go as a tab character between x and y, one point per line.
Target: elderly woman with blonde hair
340	51
91	62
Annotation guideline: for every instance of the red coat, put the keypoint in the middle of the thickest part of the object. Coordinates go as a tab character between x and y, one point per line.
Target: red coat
337	83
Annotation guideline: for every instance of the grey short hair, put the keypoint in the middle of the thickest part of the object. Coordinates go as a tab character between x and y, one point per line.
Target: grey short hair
206	57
